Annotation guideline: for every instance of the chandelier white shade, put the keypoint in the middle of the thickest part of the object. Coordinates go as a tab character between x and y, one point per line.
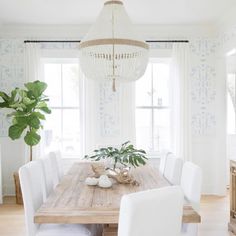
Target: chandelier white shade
112	49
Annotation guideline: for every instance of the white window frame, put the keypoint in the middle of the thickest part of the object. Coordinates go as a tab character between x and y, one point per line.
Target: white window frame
163	57
57	57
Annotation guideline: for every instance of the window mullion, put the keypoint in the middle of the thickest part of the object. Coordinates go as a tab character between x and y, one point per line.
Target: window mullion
152	111
158	137
62	111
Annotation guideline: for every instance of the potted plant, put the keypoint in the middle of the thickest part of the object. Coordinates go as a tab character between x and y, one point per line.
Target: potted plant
120	161
27	108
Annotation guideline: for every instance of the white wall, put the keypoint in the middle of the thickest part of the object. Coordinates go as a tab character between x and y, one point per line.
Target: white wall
11	75
12	159
208	93
1	197
227	26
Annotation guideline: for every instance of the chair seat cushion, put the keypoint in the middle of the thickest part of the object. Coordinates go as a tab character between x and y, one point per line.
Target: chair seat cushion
189	229
67	230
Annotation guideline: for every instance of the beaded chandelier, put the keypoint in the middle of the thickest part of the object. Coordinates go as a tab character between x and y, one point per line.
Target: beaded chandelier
112	50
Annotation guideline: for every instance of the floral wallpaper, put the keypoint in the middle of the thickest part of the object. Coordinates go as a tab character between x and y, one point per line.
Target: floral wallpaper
202	74
11	72
59	46
109	110
229	36
203	79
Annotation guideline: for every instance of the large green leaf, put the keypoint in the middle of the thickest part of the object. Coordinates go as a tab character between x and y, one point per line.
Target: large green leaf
37	88
39	115
41	104
32	138
45	109
4	96
18	106
4	105
15	131
17	114
33	121
14	93
23	93
28	101
21	120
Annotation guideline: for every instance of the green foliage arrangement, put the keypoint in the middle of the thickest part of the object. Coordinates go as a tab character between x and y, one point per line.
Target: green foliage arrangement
127	155
28	106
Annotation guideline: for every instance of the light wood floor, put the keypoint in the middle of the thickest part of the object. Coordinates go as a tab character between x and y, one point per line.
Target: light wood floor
215	216
11	218
214	212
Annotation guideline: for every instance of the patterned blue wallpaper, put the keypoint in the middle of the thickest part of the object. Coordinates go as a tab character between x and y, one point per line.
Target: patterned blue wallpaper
203	80
109	110
202	74
229	36
11	72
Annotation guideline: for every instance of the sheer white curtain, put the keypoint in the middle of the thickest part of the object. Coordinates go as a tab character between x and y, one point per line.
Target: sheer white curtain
32	73
109	117
106	117
32	61
181	113
127	110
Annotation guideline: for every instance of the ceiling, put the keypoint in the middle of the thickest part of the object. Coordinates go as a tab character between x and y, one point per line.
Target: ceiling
140	11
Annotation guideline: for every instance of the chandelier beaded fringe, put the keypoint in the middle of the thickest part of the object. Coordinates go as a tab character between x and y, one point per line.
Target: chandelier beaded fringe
111	50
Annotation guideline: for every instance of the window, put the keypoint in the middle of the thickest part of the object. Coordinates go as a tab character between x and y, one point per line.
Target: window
62	127
152	108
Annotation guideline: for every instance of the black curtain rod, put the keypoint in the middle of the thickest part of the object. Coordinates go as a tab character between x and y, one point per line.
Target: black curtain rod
52	41
78	41
167	41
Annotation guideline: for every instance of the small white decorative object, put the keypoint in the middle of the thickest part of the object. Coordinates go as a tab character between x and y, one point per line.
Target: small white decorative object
103	178
104	182
91	181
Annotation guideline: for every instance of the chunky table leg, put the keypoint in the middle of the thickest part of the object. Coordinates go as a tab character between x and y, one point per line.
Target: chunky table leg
232	228
110	230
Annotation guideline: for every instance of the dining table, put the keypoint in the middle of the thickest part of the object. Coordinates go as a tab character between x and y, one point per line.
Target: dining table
72	201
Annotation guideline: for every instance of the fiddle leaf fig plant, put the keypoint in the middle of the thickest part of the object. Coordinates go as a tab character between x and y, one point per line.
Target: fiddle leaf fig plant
126	155
28	107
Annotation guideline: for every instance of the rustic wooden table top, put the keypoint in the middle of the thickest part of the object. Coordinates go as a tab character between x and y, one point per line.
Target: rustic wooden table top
74	202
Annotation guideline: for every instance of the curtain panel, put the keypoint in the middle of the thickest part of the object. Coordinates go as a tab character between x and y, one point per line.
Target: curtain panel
109	117
32	73
180	98
106	117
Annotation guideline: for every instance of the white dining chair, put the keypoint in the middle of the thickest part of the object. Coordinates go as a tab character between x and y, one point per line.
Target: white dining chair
31	179
59	163
163	161
173	169
57	168
47	166
191	182
152	212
